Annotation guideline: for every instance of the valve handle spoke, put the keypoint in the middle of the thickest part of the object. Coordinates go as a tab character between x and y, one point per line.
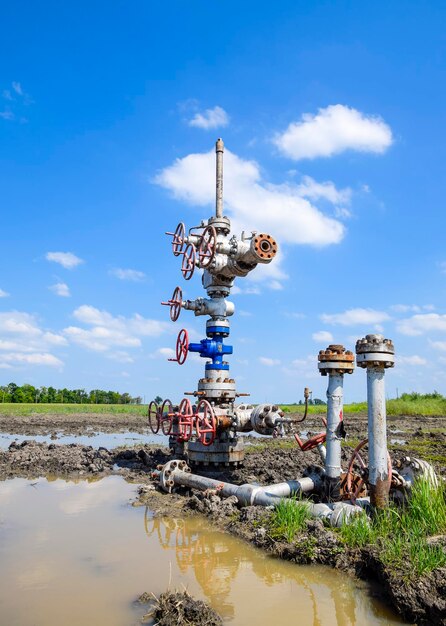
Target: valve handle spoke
208	245
154	417
189	260
175	303
206	423
165	416
178	239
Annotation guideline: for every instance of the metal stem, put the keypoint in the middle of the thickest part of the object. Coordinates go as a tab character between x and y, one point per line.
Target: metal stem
219	148
378	462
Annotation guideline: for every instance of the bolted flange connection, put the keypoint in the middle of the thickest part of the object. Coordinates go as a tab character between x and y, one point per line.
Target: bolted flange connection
336	360
375	351
167	471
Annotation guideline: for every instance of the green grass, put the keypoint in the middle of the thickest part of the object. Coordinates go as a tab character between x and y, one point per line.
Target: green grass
401	534
67	409
288	518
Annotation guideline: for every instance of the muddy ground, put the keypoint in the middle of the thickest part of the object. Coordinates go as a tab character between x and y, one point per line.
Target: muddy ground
267	461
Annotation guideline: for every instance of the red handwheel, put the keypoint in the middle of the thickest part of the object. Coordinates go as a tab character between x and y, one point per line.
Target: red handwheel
206	423
311	443
185	420
178	239
208	244
154	417
175	304
188	263
166	415
182	346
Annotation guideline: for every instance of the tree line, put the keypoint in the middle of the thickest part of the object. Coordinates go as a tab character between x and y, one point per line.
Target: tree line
49	395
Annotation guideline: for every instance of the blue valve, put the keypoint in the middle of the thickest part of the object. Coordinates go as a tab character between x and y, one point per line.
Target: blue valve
212	349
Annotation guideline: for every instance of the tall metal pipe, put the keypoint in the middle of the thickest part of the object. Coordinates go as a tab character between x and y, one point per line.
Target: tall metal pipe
376	354
334	361
219	149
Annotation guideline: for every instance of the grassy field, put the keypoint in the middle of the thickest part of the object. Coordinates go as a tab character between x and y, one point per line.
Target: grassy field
67	409
409	404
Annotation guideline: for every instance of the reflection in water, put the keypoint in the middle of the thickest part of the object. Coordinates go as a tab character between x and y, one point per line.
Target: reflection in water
218	563
75	553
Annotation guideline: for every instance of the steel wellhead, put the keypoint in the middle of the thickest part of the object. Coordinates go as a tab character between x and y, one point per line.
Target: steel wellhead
335	361
376	354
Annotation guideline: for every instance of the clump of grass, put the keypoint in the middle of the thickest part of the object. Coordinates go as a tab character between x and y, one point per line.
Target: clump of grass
401	534
288	518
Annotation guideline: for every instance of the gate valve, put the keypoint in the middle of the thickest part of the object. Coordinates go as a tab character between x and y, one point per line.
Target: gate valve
189	260
211	349
178	239
311	443
185	417
206	423
207	248
182	347
175	303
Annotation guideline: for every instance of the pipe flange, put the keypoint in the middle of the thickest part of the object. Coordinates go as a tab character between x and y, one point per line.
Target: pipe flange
265	246
336	360
167	474
375	351
220	224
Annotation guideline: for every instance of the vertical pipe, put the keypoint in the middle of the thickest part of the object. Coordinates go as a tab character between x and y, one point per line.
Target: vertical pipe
334	417
377	427
219	148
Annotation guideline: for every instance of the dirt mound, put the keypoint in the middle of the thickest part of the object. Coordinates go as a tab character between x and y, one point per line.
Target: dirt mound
175	608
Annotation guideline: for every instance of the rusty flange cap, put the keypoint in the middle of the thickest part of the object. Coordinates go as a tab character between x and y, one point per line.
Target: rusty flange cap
376	351
336	359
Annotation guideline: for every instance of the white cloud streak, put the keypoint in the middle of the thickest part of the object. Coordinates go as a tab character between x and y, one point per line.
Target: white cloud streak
422	324
60	289
107	331
210	119
127	274
68	260
354	317
264	360
279	209
333	130
3	294
323	336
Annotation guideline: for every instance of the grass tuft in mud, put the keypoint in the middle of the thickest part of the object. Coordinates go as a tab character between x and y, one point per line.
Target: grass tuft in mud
402	534
288	519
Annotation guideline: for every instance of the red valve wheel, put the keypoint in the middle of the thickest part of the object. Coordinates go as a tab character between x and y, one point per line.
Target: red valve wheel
355	485
182	346
208	244
178	239
175	303
154	417
311	443
185	420
206	423
188	263
166	415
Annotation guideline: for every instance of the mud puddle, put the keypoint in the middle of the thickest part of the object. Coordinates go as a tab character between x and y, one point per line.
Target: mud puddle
76	553
95	439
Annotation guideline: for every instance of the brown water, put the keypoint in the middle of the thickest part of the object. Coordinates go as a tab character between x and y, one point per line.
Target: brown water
76	554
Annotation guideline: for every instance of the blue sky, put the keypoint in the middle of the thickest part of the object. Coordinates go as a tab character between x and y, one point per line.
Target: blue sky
333	115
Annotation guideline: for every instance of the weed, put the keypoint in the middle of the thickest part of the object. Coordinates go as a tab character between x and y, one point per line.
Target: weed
288	518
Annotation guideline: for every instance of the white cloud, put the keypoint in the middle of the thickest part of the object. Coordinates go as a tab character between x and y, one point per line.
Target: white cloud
333	130
23	342
323	335
279	209
210	118
411	360
3	294
35	358
107	331
164	353
355	316
17	88
309	188
7	94
60	289
421	324
415	308
68	260
120	356
7	115
264	360
127	274
438	345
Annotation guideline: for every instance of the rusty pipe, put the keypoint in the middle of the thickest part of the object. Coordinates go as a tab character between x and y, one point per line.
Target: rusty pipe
219	149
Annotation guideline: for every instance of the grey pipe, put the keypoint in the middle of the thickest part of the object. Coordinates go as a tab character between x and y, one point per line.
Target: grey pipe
177	473
219	148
